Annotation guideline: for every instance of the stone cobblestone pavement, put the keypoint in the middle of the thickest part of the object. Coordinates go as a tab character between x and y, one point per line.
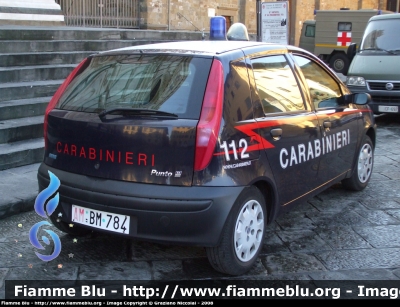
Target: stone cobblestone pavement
338	235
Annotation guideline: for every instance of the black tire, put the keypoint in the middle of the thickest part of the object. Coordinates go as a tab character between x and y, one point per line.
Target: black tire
236	254
340	63
363	168
76	230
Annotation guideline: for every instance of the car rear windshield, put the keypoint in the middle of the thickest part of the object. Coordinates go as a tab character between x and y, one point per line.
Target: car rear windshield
168	83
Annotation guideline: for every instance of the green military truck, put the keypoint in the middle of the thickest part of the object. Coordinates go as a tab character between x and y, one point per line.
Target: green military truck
332	31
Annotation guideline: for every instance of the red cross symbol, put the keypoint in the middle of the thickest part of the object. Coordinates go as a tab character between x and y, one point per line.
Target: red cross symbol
344	38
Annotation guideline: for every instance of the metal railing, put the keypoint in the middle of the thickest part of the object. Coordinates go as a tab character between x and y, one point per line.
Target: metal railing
101	13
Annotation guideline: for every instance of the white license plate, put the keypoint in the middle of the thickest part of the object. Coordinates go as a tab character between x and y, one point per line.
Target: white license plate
100	219
388	109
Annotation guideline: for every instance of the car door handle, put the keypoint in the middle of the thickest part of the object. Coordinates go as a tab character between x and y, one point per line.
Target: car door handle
276	133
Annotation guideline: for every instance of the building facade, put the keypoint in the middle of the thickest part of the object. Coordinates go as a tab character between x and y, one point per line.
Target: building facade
195	14
169	15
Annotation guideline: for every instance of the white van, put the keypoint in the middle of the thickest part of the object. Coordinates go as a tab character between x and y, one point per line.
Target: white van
375	68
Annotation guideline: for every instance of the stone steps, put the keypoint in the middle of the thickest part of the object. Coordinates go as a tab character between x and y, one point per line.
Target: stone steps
21	153
21	108
19	129
32	33
9	46
42	58
32	89
14	74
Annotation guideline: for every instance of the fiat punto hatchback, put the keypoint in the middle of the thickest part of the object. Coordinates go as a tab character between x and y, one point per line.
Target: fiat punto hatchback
201	143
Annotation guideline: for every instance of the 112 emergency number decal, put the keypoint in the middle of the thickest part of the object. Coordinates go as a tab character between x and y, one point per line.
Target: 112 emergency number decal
296	154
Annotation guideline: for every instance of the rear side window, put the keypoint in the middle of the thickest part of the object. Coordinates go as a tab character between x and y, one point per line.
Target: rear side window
276	85
173	84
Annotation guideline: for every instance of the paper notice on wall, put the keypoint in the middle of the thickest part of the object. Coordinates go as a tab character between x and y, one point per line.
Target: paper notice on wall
266	36
275	22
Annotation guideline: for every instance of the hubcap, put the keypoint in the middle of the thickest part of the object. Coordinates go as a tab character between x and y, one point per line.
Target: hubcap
249	230
338	65
365	162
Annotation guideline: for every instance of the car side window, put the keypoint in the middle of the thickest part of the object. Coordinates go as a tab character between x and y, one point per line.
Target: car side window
276	84
324	90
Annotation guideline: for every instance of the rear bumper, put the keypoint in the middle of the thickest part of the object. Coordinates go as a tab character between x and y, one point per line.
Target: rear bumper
159	213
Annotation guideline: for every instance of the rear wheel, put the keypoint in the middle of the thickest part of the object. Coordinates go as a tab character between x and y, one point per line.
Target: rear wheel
362	174
339	62
242	236
75	230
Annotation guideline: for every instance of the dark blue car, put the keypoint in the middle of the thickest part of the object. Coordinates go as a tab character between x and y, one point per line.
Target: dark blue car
201	143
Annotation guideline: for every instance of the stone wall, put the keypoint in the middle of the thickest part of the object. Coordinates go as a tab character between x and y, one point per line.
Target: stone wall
185	15
193	15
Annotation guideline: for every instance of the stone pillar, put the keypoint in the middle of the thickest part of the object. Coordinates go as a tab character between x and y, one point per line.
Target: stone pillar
31	12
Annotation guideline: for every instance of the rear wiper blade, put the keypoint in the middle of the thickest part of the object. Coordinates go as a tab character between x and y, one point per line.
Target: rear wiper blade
124	111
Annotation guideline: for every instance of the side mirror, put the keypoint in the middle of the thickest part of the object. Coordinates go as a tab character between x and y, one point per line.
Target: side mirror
361	98
351	51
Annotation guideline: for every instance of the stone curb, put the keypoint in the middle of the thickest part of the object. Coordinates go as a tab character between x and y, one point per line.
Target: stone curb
18	189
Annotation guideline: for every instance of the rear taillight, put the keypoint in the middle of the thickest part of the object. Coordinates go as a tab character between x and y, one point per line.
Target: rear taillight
77	70
210	117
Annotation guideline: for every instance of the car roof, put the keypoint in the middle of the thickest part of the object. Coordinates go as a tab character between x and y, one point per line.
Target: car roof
205	47
385	16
